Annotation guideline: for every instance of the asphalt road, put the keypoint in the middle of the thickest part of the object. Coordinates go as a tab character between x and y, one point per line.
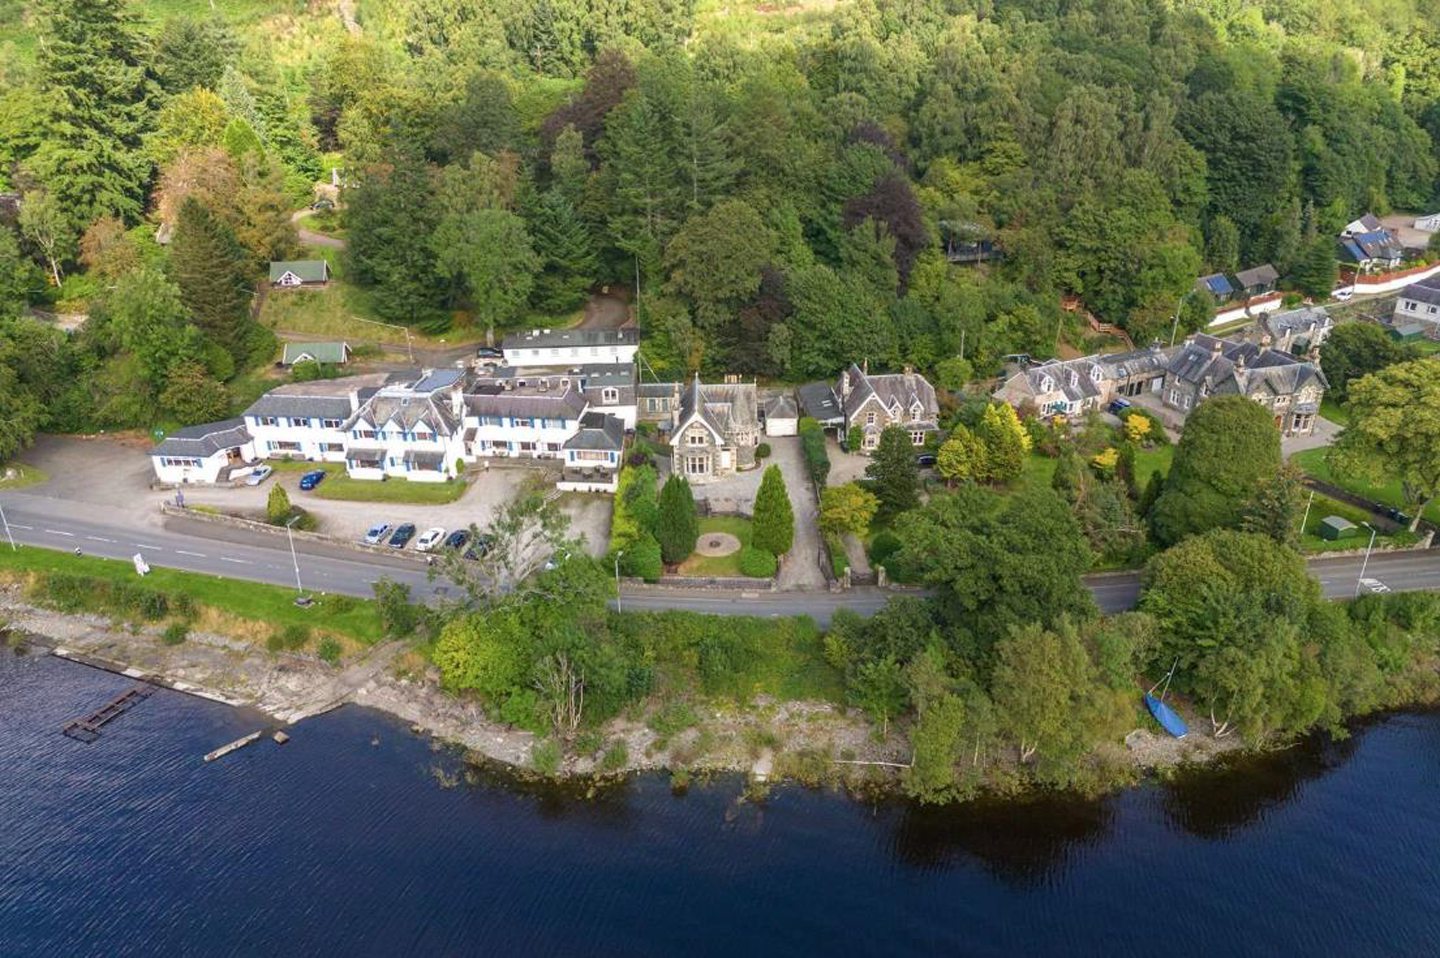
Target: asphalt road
225	552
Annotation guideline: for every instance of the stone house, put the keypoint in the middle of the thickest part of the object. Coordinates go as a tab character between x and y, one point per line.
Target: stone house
1207	366
873	403
1077	386
715	431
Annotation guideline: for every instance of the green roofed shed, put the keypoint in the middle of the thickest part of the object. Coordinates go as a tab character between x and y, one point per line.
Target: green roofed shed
1334	528
328	354
299	272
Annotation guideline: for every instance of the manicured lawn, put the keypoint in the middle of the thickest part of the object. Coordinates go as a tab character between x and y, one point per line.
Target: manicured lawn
1312	463
698	565
270	605
1324	506
1148	460
300	465
26	476
340	486
1333	411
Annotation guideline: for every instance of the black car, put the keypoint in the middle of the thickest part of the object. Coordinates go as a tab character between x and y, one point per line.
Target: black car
403	534
457	540
925	460
490	352
480	547
1396	515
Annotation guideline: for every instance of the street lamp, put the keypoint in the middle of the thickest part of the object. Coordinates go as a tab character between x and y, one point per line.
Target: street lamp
617	580
6	523
1361	577
290	535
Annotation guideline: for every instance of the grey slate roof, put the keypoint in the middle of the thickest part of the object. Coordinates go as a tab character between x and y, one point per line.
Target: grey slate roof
820	402
598	431
724	407
561	338
781	407
204	440
890	389
437	379
495	400
1257	276
408	409
1425	291
1241	367
307	270
320	399
331	353
1304	320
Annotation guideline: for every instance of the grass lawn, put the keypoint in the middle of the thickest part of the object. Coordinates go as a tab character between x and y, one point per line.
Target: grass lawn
270	606
337	485
1333	411
1324	506
1312	463
1040	470
698	565
24	476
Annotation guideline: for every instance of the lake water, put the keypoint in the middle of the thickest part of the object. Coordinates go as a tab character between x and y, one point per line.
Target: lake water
347	842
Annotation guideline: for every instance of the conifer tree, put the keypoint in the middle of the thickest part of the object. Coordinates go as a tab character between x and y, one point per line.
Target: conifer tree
210	267
564	244
773	527
1006	443
677	527
895	472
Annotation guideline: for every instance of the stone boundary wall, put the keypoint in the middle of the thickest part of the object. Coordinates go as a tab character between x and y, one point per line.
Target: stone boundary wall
712	583
252	525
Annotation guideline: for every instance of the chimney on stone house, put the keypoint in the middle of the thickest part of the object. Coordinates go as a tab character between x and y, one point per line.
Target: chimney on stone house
845	385
1265	343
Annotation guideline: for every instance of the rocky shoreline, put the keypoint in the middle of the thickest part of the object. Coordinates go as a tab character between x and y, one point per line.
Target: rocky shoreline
813	742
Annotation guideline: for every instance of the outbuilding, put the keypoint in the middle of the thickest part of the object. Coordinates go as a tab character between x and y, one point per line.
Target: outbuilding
286	274
209	453
781	417
1335	528
325	354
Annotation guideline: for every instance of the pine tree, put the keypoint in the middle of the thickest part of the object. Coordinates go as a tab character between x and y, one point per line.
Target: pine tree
277	506
677	526
565	245
93	66
710	167
211	268
388	219
647	198
1069	478
773	527
1006	443
895	472
1153	488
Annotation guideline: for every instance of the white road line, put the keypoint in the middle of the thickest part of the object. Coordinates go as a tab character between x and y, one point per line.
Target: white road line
99	539
16	525
238	561
142	545
60	532
198	555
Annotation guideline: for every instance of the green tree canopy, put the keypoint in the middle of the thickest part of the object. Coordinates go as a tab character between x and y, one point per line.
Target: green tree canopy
1394	431
893	472
773	526
676	525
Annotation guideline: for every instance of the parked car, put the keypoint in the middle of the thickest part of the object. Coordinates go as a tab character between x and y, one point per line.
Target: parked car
376	534
480	548
925	460
403	533
312	479
1118	406
429	539
259	476
1396	515
457	540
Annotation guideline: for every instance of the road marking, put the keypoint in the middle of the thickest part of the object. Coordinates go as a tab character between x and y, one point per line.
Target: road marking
238	561
60	532
142	545
198	555
99	539
16	525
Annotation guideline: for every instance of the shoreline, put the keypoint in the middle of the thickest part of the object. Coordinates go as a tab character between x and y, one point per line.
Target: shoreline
769	742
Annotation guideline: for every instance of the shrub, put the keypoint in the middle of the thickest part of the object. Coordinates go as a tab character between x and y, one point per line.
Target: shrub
757	563
884	546
277	507
588	742
642	560
762	451
812	446
398	617
295	636
672	718
615	757
545	757
175	633
329	650
725	654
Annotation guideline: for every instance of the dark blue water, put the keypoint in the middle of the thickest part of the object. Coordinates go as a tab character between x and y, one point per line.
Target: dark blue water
333	846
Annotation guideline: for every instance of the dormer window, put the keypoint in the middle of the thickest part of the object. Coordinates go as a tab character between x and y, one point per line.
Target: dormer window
609	395
1095	374
1074	379
1047	384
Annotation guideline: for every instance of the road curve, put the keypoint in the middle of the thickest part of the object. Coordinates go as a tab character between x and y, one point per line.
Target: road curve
225	552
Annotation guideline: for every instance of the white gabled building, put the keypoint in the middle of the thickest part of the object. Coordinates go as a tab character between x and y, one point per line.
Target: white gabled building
208	453
608	388
307	420
412	431
1419	303
571	347
530	421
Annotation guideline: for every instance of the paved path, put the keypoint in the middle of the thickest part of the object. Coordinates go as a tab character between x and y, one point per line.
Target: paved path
241	554
310	237
605	311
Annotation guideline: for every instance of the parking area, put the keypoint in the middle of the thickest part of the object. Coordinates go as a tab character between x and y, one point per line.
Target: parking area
117	474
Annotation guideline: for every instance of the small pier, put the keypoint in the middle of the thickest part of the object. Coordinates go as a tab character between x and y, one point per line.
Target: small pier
234	746
87	729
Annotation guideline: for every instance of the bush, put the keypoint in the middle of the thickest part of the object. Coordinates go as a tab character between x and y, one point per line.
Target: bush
545	757
588	742
883	547
277	506
329	650
175	633
839	560
762	451
615	757
292	638
812	446
672	718
642	560
757	563
398	617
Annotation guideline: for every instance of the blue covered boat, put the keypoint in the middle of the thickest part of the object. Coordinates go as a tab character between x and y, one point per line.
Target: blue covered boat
1166	716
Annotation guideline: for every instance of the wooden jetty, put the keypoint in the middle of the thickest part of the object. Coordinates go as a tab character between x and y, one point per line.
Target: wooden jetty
234	746
87	729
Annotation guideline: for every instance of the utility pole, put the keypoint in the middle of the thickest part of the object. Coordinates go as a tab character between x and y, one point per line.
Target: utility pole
1365	564
6	523
1306	518
294	559
617	580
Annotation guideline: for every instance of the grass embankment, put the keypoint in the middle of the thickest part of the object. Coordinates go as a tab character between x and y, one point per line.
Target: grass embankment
249	610
24	476
1324	506
339	487
729	565
1312	463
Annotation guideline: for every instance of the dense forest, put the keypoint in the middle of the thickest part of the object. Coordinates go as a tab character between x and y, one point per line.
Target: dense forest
779	183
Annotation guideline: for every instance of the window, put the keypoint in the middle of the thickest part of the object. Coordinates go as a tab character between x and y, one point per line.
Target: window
1301	422
179	462
527	447
269	421
284	446
333	447
696	438
1095	374
609	395
1174	397
870	418
915	412
917	437
591	455
871	440
330	423
697	465
522	424
1185	402
1047	384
